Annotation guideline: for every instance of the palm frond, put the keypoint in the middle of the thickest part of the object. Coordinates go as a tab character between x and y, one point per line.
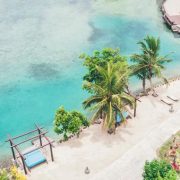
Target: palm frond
93	86
91	101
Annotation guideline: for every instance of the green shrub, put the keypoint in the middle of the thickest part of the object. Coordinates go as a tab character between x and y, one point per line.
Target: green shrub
69	122
171	175
83	119
11	173
4	174
100	58
158	170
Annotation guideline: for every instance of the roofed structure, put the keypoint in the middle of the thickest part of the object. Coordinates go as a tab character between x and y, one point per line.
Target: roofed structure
34	155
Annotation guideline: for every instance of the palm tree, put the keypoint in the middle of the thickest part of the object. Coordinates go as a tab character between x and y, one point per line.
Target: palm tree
149	64
109	96
140	70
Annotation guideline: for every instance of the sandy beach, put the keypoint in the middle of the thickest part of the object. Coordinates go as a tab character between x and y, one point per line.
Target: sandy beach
102	153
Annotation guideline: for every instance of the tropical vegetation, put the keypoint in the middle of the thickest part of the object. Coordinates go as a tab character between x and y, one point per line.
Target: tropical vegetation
149	63
159	170
69	122
106	80
109	95
11	174
101	58
170	151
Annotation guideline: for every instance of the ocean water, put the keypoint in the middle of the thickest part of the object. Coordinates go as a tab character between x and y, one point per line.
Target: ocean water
40	42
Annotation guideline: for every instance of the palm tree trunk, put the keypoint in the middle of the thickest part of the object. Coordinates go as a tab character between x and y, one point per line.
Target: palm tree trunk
127	87
144	85
150	80
151	85
135	107
101	114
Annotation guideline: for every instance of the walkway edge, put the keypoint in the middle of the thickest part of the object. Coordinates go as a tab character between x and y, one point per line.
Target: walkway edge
130	165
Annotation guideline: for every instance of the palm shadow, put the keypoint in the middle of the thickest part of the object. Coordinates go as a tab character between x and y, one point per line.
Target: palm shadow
107	139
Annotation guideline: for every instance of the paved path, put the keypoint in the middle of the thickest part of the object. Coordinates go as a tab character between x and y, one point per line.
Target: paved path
130	165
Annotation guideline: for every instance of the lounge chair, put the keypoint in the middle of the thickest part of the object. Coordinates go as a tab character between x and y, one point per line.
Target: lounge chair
119	119
166	101
173	98
34	158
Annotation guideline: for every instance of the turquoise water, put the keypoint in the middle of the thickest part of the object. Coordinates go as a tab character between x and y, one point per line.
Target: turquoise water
39	49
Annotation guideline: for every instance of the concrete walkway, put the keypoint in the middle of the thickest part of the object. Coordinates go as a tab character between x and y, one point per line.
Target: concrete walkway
130	165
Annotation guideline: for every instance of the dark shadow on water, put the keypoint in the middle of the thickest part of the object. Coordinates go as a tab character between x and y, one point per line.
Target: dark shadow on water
43	71
116	31
176	35
167	28
159	2
97	33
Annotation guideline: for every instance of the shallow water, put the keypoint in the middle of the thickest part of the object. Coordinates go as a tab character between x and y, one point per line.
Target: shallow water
40	42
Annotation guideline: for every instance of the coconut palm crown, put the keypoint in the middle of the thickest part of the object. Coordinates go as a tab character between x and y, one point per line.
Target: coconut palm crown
149	63
109	95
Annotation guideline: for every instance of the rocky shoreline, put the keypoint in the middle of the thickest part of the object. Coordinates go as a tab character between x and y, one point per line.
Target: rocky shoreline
6	162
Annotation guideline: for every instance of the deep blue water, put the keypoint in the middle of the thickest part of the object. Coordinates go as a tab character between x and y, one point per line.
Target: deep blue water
40	69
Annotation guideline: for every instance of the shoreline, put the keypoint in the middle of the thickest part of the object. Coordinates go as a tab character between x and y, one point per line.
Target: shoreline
171	14
157	85
7	159
6	162
102	152
132	162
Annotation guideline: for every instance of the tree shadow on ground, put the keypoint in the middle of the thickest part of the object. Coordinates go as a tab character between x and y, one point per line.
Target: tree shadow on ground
101	136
